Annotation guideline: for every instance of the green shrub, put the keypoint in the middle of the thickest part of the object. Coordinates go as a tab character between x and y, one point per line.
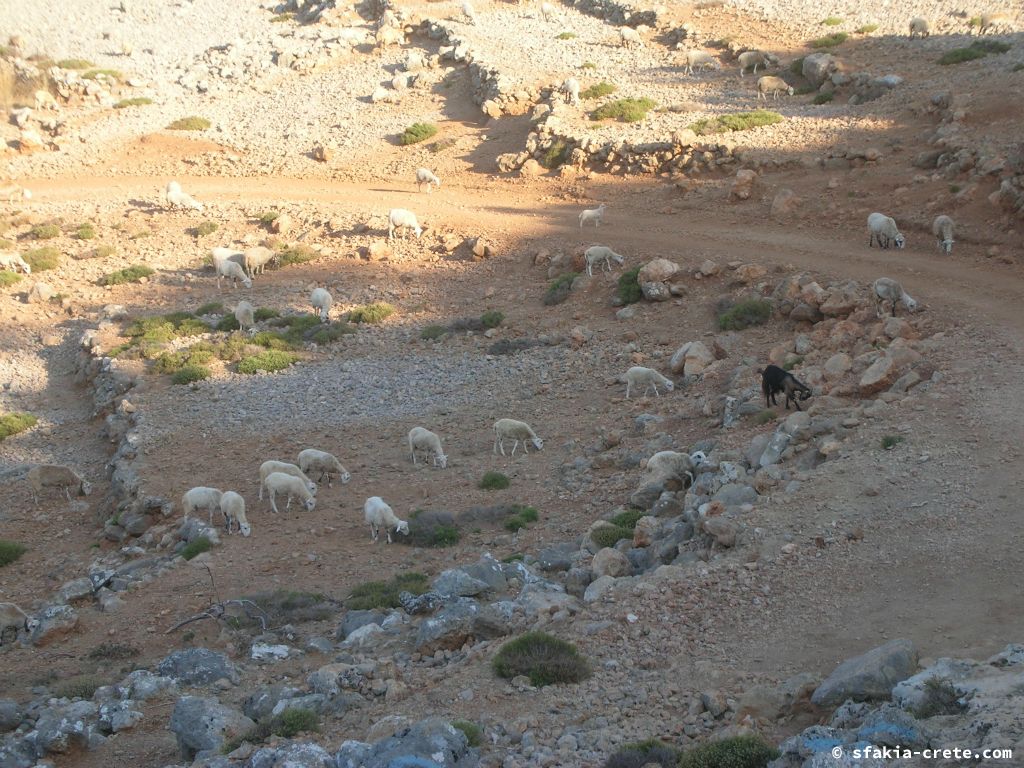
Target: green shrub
132	274
138	101
211	308
1017	67
44	231
270	360
588	65
416	133
197	355
867	29
189	374
738	121
628	289
273	340
9	278
42	259
493	481
797	66
15	422
233	348
10	551
598	90
610	535
565	36
940	698
265	313
189	124
75	64
163	328
78	687
326	334
829	41
103	251
974	21
429	333
196	547
296	254
624	110
227	323
891	441
384	594
744	314
377	312
628	518
515	557
976	50
492	318
642	753
735	752
474	733
268	218
281	17
555	155
824	98
296	720
765	416
205	228
543	658
521	518
86	232
113	652
831	21
95	74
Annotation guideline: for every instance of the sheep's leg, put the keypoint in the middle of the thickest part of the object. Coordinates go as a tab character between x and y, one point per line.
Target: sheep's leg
288	504
329	480
655	385
628	385
514	446
387	530
67	493
261	490
273	502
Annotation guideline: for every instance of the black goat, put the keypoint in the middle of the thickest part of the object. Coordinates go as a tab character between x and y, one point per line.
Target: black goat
775	380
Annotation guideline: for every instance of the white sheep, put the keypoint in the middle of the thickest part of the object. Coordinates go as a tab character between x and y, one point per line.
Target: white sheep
570	88
44	100
756	59
547	11
201	497
597	254
919	27
378	514
57	476
994	21
311	460
13	262
14	192
175	198
468	12
696	59
666	466
245	315
520	431
649	377
942	228
773	85
400	218
422	439
887	289
232	506
883	229
279	482
267	468
628	37
321	300
593	214
12	617
425	176
255	259
226	264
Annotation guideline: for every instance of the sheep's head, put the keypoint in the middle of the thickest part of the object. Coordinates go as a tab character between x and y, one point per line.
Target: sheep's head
947	246
442	460
27	194
803	394
402	528
86	488
419	230
538	443
790	90
31	625
245	528
669	386
310	504
698	458
910	303
345	476
311	487
900	241
247	282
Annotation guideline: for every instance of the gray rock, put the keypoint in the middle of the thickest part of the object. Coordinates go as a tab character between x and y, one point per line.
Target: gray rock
557	557
204	724
143	684
611	562
117	716
773	452
61	729
10	715
655	292
576	581
489	571
817	67
871	676
316	702
75	589
17	753
457	583
416	605
454	624
429	743
54	621
197	666
293	755
598	588
353	620
889	726
648	493
260	703
734	494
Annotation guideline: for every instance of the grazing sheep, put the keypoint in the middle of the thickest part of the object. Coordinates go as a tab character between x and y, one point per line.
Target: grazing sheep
596	254
649	377
668	466
226	265
232	506
12	617
701	60
756	59
570	88
592	214
321	300
175	198
14	192
547	11
425	176
942	228
995	21
422	439
268	468
919	27
279	482
887	289
13	262
57	476
312	460
400	218
628	37
775	380
468	12
44	100
883	228
201	497
510	429
773	85
244	314
255	259
379	515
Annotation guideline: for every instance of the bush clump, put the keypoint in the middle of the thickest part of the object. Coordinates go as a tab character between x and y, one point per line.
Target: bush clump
416	133
429	333
210	308
976	50
643	753
113	652
10	551
559	289
738	121
205	228
492	318
940	698
565	36
891	441
296	254
628	290
78	687
42	259
138	101
521	517
736	752
494	481
132	274
190	373
867	29
829	41
75	64
797	66
384	594
189	124
624	110
95	74
744	314
474	733
86	231
296	720
377	312
270	361
44	231
196	547
265	313
431	529
9	278
543	658
628	518
15	422
831	21
824	98
610	535
268	218
598	90
331	332
195	356
555	155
